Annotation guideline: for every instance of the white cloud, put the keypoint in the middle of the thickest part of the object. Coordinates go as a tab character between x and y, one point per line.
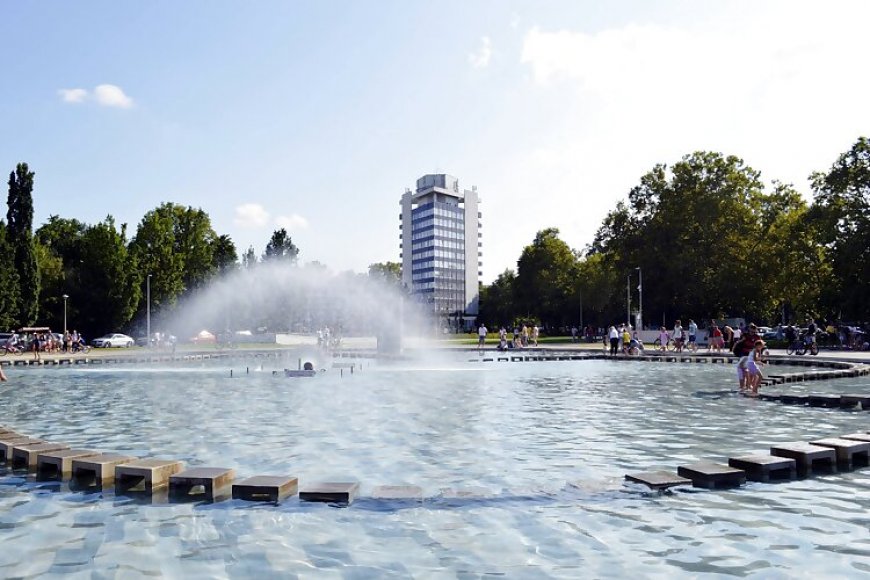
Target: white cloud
73	95
481	58
112	96
251	215
292	222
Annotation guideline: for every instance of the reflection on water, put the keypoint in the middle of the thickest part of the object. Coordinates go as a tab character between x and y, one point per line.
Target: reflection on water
521	467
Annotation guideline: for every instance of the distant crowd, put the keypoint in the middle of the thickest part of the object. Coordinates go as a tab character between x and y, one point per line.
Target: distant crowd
39	342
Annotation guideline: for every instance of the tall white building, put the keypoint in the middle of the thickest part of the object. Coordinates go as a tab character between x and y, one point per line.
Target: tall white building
441	248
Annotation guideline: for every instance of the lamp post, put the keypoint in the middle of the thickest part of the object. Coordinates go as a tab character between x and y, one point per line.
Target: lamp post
65	296
628	299
640	298
148	310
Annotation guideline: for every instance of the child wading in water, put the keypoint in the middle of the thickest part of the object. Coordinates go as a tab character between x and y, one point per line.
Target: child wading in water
753	365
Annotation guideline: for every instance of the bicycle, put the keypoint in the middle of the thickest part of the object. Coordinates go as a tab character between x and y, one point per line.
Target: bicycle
10	349
671	345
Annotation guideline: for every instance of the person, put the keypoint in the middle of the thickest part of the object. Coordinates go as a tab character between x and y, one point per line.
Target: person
635	346
664	338
728	336
35	346
3	378
535	333
742	373
810	336
693	336
736	335
614	340
753	365
626	340
502	339
573	334
524	335
715	338
678	336
790	334
481	336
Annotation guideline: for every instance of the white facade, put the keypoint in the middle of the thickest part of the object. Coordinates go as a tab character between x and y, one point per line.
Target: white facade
441	247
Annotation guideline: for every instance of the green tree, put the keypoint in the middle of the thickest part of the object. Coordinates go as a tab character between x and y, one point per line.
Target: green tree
9	297
249	258
19	220
281	247
498	301
154	249
545	280
389	272
841	208
111	280
225	257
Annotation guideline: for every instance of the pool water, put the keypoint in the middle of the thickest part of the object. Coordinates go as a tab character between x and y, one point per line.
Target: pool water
521	465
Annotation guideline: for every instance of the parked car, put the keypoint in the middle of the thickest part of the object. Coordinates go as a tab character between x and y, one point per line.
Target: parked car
110	340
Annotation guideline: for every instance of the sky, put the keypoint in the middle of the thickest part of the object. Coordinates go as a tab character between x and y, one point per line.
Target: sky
315	116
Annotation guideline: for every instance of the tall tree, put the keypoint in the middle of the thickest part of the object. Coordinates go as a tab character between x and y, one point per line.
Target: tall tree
113	280
498	301
546	272
281	247
10	296
225	257
842	209
389	272
19	220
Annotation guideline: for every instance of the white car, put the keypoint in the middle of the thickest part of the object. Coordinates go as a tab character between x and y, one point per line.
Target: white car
111	340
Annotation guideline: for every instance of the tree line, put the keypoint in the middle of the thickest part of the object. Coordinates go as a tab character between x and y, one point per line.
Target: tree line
711	240
174	252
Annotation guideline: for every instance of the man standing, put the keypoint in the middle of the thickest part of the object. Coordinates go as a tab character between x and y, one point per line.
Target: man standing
678	336
481	336
614	340
693	336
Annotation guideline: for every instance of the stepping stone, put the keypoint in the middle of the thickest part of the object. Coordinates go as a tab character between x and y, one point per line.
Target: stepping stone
145	475
770	396
850	453
271	488
658	480
97	470
765	468
712	475
857	436
6	446
331	492
58	464
794	399
817	400
855	400
200	483
398	492
24	456
811	459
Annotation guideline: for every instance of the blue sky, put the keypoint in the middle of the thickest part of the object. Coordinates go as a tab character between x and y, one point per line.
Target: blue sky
317	115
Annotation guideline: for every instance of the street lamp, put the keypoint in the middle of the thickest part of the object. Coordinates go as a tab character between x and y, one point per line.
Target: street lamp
65	296
640	304
628	299
148	310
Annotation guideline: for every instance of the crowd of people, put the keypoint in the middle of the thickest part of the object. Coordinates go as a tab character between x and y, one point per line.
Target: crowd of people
47	342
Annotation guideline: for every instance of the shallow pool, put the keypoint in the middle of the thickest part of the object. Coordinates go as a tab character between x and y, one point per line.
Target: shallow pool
521	466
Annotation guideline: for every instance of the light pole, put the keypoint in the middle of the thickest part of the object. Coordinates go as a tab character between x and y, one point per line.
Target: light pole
148	310
640	298
628	299
65	296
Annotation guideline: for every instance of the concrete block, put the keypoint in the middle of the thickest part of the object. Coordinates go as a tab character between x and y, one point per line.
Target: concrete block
810	459
850	453
97	470
200	483
712	475
398	492
332	492
24	456
6	446
765	468
145	475
270	488
56	465
658	480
